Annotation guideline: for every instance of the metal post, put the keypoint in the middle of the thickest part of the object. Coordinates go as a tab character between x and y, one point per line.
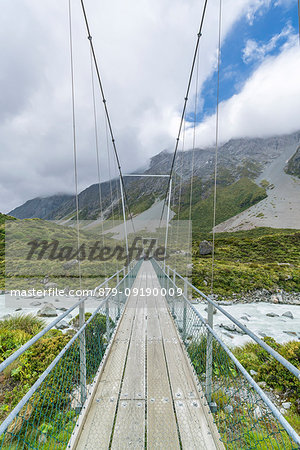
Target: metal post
184	310
168	274
82	353
173	303
107	314
118	295
124	280
124	217
167	224
209	350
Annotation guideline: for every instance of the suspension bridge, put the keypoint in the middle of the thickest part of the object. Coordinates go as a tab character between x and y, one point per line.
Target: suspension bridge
146	370
156	375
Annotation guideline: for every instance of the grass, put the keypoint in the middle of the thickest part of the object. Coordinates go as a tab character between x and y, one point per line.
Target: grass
250	260
231	200
29	323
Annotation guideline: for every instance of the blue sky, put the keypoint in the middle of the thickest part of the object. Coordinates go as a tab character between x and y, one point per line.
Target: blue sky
235	68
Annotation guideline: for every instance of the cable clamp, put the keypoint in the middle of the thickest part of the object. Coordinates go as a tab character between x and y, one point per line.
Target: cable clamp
90	37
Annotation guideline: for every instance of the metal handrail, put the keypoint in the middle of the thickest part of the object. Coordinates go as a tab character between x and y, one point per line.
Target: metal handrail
290	367
9	419
35	338
289	429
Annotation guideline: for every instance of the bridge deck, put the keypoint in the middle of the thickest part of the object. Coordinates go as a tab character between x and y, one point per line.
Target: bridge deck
146	396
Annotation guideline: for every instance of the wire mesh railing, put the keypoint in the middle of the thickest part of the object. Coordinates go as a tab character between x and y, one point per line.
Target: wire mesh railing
245	416
46	416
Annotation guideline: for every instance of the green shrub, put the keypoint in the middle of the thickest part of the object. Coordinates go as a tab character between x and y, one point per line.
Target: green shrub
268	369
10	341
28	323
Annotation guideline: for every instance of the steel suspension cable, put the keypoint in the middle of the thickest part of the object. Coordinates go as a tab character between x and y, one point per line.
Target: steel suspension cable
74	135
109	173
97	155
89	36
185	102
180	187
193	156
217	147
299	20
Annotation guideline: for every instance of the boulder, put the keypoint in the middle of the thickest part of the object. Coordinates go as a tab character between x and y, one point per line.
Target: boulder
50	285
271	314
68	265
253	372
288	314
291	333
205	248
62	325
286	405
7	316
274	299
35	304
257	413
228	409
232	328
48	310
245	318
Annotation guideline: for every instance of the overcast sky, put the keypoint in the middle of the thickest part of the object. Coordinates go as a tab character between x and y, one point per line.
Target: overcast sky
144	49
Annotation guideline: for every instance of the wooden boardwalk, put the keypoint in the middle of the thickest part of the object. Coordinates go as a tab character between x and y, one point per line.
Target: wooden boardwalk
146	395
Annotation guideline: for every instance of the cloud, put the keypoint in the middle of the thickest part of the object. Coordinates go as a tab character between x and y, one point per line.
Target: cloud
144	51
267	105
257	7
255	51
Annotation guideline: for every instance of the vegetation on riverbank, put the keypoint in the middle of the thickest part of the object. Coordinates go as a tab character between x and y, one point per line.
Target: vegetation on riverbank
240	414
23	372
276	378
262	258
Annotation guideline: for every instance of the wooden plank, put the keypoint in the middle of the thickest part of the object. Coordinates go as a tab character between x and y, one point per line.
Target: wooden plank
194	429
161	422
133	386
161	426
129	431
97	430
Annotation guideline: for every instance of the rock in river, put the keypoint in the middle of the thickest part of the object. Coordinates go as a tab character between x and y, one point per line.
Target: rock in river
48	310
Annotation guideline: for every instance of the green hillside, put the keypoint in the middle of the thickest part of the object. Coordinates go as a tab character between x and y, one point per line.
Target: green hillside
231	200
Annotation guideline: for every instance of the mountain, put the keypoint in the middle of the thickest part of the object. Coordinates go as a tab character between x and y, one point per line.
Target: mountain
41	207
293	166
237	159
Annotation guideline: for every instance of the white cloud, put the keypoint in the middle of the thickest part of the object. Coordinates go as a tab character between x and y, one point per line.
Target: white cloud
255	51
267	105
255	8
144	51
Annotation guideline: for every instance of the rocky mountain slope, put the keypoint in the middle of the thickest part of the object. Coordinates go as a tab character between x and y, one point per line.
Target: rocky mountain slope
42	208
281	208
293	165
